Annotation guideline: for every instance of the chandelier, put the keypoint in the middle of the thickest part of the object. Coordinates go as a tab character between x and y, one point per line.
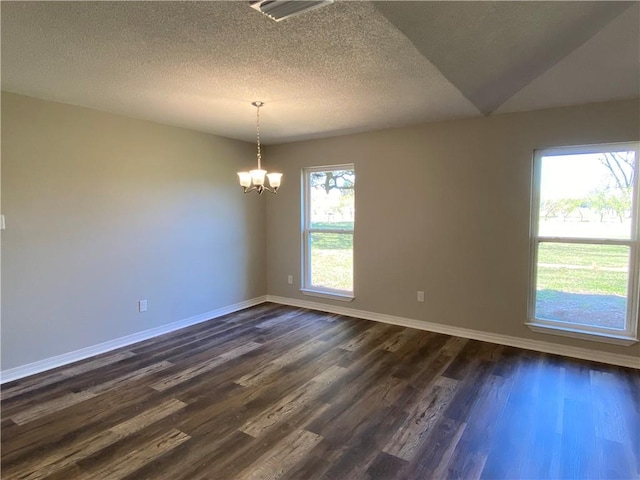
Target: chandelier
253	180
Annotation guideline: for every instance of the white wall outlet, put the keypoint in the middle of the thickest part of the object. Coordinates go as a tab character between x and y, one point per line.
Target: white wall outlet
142	306
2	226
420	297
290	279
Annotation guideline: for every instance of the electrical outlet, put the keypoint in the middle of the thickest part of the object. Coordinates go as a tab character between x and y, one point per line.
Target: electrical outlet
142	306
290	279
420	297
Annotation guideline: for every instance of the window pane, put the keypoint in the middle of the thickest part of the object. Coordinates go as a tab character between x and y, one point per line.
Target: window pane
583	284
332	260
332	199
587	195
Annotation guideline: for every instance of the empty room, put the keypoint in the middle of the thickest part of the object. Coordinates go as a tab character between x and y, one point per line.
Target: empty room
320	240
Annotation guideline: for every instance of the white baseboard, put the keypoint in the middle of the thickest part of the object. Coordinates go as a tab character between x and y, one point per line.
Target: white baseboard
70	357
536	345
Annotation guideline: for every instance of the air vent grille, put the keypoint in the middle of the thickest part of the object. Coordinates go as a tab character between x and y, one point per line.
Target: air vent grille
282	9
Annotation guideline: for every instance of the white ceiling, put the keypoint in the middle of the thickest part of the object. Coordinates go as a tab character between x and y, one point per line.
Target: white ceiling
347	67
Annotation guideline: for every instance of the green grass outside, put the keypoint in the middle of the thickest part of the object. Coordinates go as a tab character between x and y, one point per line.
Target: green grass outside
332	258
593	278
582	281
332	269
332	241
333	225
585	255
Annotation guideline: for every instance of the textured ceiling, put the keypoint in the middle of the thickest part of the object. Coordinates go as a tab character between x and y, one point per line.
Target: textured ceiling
491	50
348	67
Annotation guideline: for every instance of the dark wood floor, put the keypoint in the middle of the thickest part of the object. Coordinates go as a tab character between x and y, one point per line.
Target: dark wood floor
278	392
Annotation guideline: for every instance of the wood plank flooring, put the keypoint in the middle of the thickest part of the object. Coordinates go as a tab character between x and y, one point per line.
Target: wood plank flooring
276	392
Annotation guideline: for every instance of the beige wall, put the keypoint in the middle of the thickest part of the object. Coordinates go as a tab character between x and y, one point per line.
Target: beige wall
442	208
104	210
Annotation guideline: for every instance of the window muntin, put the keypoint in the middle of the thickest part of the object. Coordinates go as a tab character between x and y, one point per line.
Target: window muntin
585	241
328	226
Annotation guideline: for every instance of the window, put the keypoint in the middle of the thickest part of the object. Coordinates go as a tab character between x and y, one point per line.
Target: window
328	225
585	242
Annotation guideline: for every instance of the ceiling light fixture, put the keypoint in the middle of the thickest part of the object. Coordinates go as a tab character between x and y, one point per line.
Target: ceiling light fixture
253	180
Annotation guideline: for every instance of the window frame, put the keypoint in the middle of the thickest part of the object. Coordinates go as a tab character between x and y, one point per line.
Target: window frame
307	288
629	335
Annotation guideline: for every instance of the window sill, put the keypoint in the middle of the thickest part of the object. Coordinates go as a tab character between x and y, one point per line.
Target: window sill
581	334
343	297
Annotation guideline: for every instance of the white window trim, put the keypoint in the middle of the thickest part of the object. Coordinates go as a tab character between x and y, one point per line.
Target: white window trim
335	295
628	336
305	274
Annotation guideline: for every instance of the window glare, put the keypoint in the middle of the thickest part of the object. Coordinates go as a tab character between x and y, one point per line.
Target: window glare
587	195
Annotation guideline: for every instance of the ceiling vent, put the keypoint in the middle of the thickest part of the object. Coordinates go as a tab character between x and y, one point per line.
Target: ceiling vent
281	9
